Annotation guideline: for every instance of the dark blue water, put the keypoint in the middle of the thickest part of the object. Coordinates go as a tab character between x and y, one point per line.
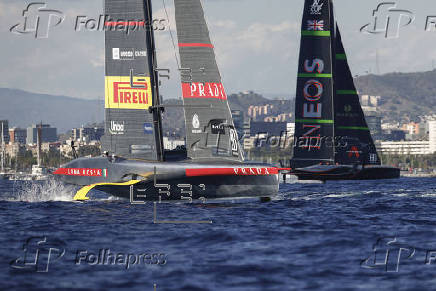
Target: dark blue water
312	237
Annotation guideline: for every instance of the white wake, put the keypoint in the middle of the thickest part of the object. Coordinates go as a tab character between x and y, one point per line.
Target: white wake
49	190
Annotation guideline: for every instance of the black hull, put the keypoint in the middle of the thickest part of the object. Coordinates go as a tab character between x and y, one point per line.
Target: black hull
141	180
197	188
346	172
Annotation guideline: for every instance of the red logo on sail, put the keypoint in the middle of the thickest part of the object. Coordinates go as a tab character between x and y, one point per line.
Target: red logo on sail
204	90
123	93
354	152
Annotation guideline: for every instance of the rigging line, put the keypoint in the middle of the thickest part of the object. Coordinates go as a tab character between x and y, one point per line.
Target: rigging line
171	34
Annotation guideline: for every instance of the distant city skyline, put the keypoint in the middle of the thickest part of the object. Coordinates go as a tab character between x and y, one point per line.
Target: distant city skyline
257	44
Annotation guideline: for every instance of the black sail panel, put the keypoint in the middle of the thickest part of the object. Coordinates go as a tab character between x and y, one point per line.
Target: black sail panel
355	144
210	132
129	90
313	142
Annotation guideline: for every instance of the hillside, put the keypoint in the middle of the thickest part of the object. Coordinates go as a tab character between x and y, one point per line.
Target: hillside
23	108
403	95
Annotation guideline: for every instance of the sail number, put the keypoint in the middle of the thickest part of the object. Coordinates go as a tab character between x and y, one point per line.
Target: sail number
184	192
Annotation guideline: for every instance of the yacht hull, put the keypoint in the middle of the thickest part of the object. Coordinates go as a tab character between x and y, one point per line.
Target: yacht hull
346	172
140	180
198	188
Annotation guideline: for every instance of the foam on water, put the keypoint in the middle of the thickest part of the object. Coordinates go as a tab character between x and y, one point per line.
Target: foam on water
342	195
291	179
49	190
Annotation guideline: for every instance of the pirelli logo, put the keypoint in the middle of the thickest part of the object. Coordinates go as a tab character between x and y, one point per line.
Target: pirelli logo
121	95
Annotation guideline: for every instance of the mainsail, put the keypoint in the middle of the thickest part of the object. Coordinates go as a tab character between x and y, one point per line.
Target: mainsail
314	128
130	129
357	145
210	132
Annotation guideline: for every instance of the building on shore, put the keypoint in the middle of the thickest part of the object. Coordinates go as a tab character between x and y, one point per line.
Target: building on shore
48	134
15	149
369	103
394	135
17	135
405	148
374	122
4	124
432	135
238	121
87	134
269	135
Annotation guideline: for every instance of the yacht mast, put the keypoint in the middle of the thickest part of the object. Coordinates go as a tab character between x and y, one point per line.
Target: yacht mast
38	143
3	150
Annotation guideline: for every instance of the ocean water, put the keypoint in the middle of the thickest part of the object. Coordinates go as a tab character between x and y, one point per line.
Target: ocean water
336	236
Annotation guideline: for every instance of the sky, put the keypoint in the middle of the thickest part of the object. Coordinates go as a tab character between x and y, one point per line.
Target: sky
256	44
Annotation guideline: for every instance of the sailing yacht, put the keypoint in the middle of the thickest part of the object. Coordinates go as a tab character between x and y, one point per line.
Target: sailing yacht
135	163
332	138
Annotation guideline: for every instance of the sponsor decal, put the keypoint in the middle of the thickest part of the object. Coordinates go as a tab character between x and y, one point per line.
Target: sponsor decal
316	8
373	158
313	90
354	151
82	172
119	94
148	128
117	127
234	142
312	107
348	112
204	90
196	124
217	126
231	172
127	53
315	25
311	139
317	64
137	149
116	53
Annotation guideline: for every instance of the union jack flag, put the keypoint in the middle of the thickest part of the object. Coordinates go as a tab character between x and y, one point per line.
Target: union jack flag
315	25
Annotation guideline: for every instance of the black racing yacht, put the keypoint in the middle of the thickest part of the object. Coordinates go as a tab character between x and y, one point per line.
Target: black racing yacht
332	138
